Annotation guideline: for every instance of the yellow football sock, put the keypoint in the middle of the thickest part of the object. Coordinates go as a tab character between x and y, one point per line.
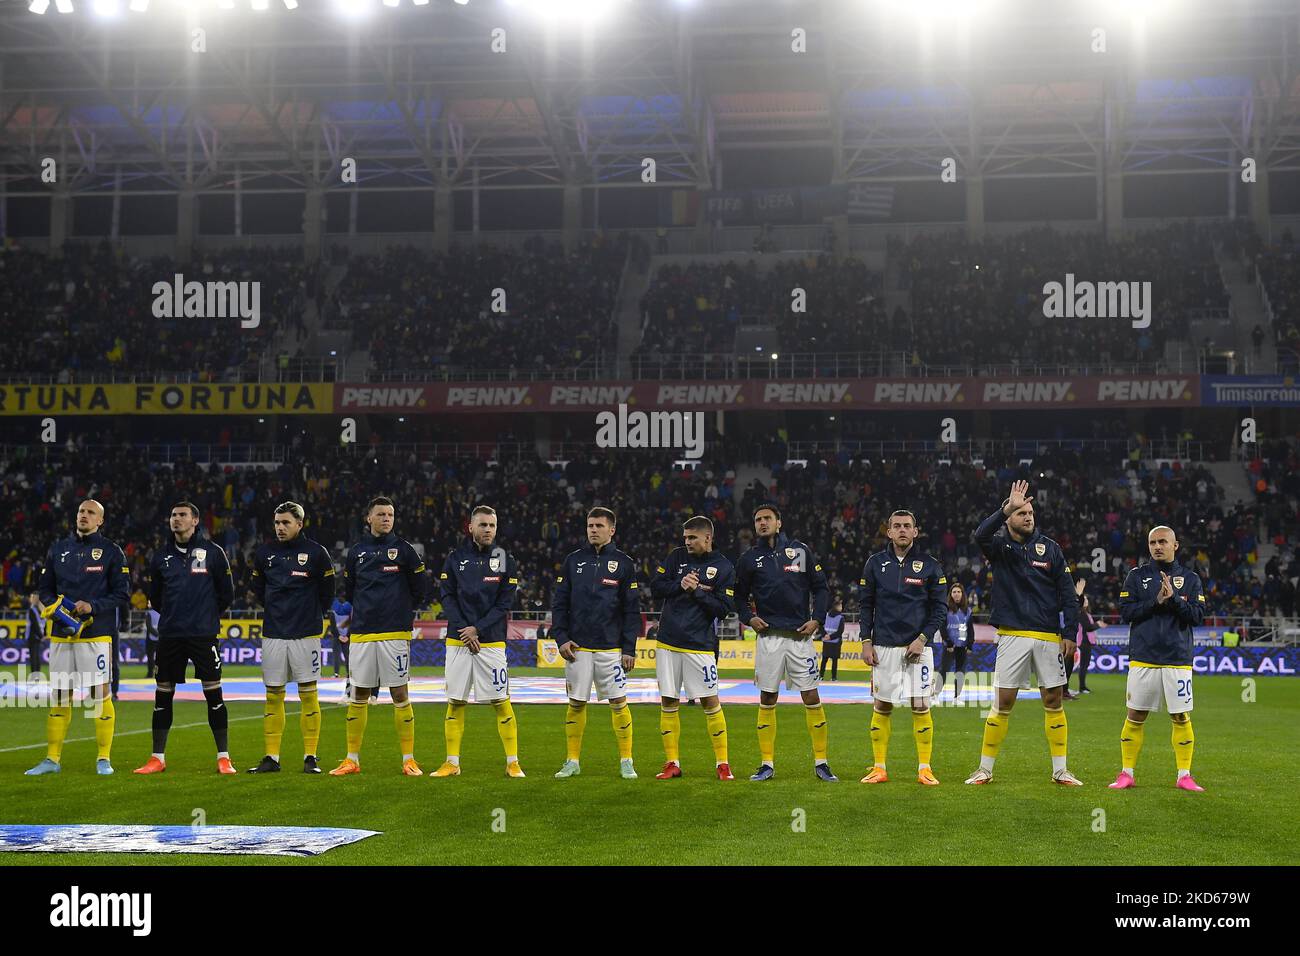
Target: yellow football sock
767	733
404	721
622	719
670	728
453	728
104	725
56	730
507	728
357	714
815	717
273	721
717	733
1055	725
995	731
1184	744
923	731
309	720
575	724
880	730
1130	743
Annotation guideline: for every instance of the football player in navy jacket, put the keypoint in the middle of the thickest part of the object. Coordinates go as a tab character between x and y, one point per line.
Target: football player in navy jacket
190	585
1036	614
1160	602
790	597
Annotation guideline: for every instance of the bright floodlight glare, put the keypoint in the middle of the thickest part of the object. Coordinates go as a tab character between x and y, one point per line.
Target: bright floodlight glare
139	6
227	4
260	4
38	6
106	8
291	4
353	9
391	3
588	11
420	3
63	6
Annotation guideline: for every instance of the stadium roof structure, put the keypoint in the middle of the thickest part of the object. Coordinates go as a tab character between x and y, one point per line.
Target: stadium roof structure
279	98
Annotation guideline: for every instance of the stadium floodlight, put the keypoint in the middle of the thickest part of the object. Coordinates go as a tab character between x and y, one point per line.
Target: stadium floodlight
353	9
260	5
291	4
391	3
139	6
227	4
63	6
420	3
106	8
586	10
775	356
39	6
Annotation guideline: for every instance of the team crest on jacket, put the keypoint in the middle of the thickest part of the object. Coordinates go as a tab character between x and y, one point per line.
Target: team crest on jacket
917	566
494	563
612	565
1178	581
200	554
710	573
1040	548
96	553
302	558
392	554
789	553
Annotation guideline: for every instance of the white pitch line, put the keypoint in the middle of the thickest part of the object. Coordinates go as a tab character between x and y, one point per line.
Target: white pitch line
146	730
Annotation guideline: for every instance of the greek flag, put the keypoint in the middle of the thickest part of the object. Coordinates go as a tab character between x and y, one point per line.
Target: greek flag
870	202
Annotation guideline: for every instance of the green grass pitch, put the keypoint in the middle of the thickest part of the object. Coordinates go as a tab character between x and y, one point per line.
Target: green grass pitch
1245	757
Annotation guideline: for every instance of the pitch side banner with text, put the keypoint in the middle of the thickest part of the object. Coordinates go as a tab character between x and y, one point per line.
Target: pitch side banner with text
776	394
1271	391
297	398
732	655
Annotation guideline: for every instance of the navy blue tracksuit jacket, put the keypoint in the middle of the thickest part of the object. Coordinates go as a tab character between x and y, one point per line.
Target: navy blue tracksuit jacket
1161	633
190	586
901	599
596	602
1032	588
783	579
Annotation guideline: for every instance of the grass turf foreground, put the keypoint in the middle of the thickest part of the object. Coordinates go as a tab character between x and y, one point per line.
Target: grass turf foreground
1243	751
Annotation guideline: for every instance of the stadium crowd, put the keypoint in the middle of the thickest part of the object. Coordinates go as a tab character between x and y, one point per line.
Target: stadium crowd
91	311
418	310
839	506
1278	269
972	303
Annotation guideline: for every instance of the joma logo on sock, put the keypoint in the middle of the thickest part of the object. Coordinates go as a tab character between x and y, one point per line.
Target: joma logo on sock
1098	300
208	300
77	909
